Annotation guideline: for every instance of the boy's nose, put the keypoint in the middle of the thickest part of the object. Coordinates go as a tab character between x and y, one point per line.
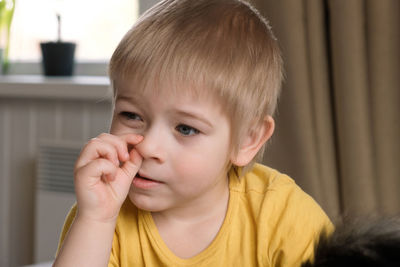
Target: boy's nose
152	146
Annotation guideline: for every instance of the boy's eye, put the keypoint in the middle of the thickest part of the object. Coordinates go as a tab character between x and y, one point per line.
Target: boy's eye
131	116
186	130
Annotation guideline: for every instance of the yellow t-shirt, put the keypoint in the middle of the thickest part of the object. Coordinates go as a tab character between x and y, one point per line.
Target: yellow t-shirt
270	221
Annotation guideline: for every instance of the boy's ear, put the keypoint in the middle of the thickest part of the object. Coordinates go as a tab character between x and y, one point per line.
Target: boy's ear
254	139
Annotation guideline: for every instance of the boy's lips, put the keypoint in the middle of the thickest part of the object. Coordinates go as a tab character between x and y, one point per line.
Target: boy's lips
144	176
144	182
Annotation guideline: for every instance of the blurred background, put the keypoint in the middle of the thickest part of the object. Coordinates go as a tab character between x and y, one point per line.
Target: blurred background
338	118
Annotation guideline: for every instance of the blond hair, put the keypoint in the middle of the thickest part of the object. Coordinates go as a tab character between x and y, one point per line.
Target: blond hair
223	48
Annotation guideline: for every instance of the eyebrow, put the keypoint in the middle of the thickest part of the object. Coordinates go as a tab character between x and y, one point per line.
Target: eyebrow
126	98
194	116
131	99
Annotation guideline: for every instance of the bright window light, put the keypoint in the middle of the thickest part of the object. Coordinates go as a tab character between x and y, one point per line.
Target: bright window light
96	26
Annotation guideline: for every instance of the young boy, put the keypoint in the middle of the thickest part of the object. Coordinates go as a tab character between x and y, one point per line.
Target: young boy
174	184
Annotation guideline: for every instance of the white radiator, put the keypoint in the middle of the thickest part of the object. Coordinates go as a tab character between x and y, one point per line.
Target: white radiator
54	195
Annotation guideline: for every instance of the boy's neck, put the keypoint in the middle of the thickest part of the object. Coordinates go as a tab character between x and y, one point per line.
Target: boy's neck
190	229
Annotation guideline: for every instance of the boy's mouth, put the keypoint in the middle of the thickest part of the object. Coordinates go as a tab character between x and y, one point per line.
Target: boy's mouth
142	182
145	178
141	177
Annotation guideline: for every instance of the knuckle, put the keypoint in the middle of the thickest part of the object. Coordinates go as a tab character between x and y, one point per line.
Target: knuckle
104	164
93	141
103	135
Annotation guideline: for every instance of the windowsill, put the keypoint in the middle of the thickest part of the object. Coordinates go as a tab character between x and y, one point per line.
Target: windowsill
95	88
92	68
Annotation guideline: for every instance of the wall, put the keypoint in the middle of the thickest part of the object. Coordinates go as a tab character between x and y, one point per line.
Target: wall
34	109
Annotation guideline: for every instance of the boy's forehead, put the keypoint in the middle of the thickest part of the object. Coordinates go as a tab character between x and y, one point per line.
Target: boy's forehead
152	102
177	93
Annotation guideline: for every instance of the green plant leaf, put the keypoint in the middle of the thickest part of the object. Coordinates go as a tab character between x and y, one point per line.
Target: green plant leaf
7	8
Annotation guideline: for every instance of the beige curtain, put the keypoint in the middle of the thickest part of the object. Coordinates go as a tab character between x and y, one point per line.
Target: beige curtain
338	121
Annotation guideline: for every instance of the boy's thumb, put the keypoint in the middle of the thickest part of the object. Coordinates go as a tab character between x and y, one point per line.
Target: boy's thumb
132	166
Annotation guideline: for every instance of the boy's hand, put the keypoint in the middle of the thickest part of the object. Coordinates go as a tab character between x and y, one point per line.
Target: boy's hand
103	175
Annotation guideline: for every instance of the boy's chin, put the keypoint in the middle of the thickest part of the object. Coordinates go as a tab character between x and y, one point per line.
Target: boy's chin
146	203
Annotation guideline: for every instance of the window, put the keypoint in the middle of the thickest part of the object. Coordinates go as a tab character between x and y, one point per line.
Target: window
96	26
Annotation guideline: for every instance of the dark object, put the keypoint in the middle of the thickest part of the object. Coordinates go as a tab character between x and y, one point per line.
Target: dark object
58	58
366	243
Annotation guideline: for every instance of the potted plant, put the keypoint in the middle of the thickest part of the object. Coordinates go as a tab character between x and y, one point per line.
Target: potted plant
58	57
6	15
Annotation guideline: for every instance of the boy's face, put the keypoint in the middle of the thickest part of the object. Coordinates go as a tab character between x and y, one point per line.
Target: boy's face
185	149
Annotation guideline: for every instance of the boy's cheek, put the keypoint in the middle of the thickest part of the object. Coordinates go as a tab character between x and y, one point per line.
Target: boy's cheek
117	128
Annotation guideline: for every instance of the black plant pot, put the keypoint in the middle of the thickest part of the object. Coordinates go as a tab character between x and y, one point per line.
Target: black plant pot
58	58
